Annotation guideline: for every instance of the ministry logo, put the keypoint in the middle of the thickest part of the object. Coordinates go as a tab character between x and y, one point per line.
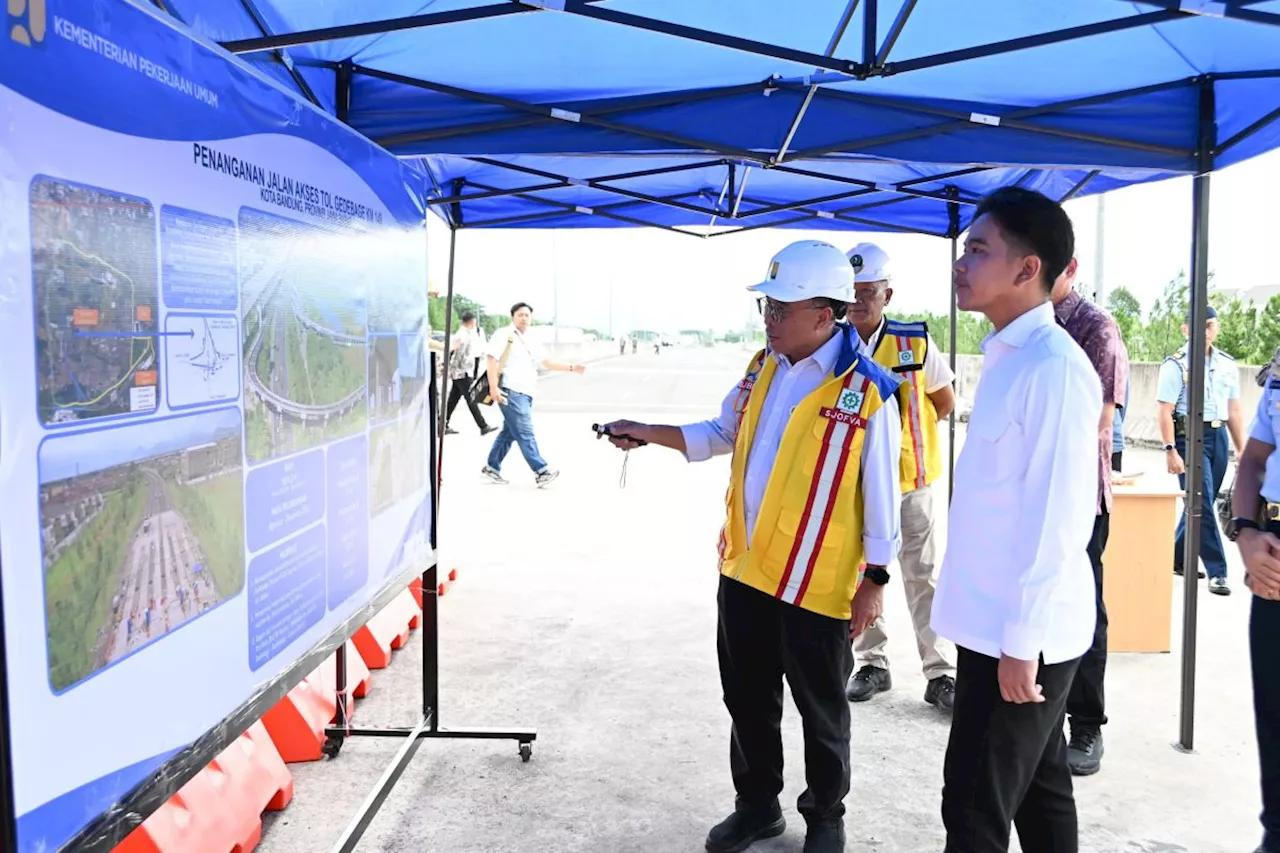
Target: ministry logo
27	21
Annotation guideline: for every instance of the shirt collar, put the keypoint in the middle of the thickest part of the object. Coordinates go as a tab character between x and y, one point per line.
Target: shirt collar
874	340
824	357
1065	309
1017	333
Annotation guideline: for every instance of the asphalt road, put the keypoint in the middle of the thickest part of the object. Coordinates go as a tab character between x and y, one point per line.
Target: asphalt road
588	612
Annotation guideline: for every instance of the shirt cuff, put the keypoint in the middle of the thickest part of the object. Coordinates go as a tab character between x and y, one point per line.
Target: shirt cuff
697	444
1022	641
879	552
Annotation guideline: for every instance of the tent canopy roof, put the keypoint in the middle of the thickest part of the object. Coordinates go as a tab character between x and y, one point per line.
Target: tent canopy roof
585	89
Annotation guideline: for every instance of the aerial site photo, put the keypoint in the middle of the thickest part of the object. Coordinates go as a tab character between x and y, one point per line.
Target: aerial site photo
304	337
96	302
142	529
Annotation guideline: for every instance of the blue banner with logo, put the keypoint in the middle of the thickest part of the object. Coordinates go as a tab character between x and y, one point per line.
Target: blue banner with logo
213	423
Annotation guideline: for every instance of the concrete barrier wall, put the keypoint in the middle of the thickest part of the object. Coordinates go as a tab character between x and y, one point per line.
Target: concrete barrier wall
1140	421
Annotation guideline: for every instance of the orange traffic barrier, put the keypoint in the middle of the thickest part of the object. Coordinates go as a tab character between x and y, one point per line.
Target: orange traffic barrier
387	630
416	589
220	809
297	722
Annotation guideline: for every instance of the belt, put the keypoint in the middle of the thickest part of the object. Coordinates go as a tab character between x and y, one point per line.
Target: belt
1271	512
1213	424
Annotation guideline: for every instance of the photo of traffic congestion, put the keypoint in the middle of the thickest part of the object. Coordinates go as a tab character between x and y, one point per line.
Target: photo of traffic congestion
304	337
139	536
96	302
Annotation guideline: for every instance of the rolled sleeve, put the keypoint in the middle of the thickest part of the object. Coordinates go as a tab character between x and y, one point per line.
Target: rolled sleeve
716	437
1260	429
1169	386
881	486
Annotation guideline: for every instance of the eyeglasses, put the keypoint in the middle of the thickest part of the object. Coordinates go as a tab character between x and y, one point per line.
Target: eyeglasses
776	311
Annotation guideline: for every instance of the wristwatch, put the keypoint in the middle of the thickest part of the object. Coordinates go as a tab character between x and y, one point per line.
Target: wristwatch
1238	524
1169	447
878	576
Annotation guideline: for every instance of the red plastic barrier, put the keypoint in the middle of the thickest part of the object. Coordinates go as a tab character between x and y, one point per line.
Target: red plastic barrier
387	630
297	722
220	810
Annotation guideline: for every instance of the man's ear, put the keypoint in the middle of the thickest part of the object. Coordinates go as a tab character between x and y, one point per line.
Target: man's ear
888	295
1029	272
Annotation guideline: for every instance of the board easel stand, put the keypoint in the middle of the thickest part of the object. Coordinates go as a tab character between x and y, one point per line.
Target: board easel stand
428	726
111	827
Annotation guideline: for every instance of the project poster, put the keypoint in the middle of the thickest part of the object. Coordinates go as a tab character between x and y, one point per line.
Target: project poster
213	420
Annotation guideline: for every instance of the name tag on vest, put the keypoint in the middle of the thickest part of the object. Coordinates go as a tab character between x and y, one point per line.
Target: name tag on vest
850	418
746	385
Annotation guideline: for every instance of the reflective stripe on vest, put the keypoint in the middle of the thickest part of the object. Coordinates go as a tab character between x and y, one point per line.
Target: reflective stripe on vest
921	453
817	511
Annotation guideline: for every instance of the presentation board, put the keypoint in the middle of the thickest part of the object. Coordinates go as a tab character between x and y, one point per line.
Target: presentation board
213	420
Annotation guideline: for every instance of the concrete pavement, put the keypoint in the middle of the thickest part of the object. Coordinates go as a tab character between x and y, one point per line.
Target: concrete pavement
587	611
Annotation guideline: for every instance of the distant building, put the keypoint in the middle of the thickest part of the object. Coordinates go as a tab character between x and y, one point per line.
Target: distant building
1258	297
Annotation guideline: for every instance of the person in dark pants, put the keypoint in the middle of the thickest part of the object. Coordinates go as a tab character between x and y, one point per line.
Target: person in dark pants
1221	414
1016	592
1117	434
1099	336
467	347
1256	531
815	437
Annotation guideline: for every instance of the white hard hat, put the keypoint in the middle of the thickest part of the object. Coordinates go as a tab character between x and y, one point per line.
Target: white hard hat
870	263
807	270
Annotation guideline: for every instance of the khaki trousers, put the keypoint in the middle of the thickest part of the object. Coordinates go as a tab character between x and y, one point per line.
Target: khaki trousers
918	561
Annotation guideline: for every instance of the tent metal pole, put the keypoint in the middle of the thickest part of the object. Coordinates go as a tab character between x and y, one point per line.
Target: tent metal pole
836	37
342	79
1079	187
261	23
953	213
951	57
1248	131
870	34
462	199
1194	456
894	32
373	28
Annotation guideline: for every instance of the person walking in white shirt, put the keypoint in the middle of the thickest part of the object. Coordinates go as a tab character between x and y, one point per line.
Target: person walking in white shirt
513	365
815	436
1016	591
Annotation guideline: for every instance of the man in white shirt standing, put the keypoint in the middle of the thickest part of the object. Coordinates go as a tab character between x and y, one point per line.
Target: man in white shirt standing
813	493
925	397
1016	591
514	359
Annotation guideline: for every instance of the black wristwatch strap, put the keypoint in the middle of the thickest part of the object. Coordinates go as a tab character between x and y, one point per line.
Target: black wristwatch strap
878	576
1238	524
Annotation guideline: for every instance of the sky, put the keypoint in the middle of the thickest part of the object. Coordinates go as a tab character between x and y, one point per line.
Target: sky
616	280
85	452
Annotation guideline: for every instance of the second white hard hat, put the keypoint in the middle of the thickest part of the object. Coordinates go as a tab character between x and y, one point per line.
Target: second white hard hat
870	263
808	269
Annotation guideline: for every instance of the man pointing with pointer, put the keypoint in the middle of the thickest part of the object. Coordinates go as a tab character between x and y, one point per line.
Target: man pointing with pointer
815	435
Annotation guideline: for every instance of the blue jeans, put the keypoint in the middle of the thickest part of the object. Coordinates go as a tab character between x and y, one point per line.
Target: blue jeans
1214	469
517	428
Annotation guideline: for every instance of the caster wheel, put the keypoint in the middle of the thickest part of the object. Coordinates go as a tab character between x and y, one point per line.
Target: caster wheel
526	752
331	748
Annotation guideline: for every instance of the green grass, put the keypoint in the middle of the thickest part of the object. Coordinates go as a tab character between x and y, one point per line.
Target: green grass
215	511
79	586
257	429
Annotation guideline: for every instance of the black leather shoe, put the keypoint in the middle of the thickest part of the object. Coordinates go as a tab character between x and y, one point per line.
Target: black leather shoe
825	837
867	682
941	692
1084	752
1177	570
744	827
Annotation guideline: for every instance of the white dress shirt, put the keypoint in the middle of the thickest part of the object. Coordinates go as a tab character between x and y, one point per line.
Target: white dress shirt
521	371
881	534
1016	577
937	371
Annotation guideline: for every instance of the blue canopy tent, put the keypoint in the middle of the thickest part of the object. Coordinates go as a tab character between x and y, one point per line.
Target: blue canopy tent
713	118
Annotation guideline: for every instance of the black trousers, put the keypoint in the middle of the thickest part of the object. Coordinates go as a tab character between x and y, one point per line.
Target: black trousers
1006	764
1117	457
761	639
1086	704
1264	645
458	391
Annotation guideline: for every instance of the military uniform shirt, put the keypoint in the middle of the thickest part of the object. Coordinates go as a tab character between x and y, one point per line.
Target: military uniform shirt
1221	384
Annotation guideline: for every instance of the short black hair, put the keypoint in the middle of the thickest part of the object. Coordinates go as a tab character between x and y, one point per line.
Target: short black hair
519	305
467	316
838	308
1033	223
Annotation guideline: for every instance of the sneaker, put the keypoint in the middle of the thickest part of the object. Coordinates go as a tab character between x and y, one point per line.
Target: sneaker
744	827
867	682
941	691
493	475
1084	751
1177	570
546	477
1218	586
488	429
448	430
825	836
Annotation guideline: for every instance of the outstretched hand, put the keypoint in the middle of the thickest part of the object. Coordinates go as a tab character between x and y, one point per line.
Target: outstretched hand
626	435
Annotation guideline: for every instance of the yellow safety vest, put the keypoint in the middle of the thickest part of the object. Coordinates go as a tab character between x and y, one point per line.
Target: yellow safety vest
806	548
902	350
